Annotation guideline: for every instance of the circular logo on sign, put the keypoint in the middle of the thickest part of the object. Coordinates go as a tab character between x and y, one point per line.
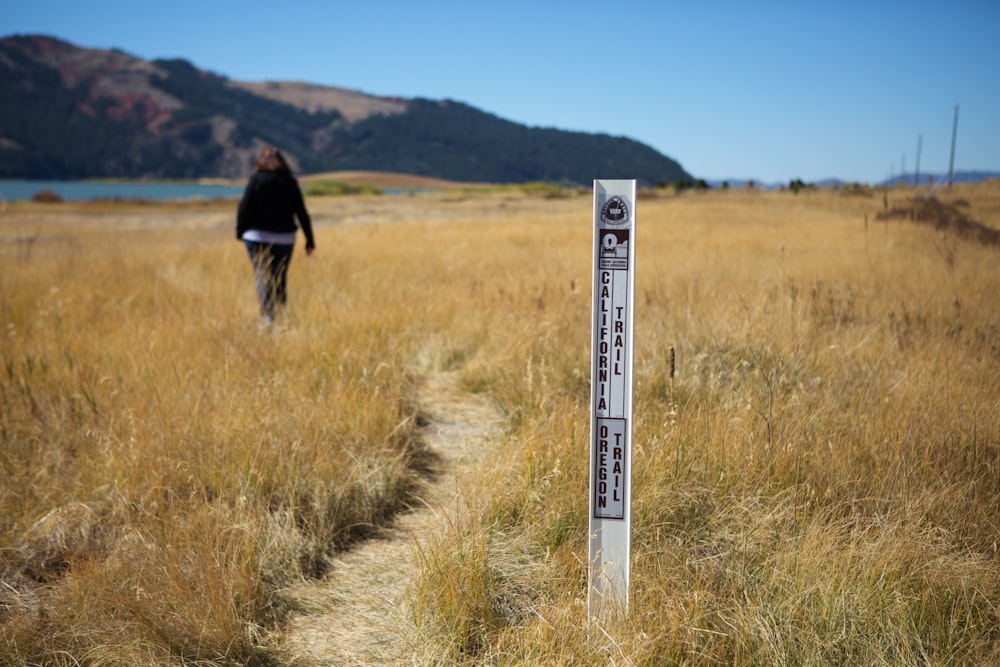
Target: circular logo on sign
615	211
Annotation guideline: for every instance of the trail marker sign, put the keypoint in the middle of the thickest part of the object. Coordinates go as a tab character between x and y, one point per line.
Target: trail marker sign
611	398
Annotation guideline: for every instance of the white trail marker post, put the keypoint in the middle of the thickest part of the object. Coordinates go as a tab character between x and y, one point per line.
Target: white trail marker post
611	399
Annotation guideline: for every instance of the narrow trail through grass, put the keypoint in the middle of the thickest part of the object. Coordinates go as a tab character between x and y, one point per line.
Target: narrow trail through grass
359	613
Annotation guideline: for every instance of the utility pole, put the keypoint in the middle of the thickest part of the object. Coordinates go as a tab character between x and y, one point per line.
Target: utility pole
954	135
916	171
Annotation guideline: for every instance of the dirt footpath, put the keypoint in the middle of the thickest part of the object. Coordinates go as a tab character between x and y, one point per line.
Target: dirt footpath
358	614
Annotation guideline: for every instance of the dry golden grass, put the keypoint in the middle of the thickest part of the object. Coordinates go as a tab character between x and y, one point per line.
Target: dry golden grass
828	493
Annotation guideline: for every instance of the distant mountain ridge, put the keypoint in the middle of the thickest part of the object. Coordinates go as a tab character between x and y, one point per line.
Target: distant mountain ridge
971	176
73	112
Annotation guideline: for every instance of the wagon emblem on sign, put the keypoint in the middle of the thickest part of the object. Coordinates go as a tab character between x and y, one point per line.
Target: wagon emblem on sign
615	211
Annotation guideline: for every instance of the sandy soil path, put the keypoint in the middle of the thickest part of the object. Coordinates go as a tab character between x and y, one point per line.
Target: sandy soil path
358	614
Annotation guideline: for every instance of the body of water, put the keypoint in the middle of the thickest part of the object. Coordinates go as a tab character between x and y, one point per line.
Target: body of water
13	190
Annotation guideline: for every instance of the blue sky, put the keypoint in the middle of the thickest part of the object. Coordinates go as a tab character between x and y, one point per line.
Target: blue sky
764	90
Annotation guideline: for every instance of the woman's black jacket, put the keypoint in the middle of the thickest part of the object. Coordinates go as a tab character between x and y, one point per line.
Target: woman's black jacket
271	202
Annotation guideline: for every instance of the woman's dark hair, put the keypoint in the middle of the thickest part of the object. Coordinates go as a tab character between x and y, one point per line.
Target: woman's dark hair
271	159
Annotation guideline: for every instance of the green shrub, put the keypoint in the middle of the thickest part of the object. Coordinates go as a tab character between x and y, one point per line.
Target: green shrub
330	188
797	184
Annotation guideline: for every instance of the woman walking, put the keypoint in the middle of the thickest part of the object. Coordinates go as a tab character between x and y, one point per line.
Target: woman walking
265	222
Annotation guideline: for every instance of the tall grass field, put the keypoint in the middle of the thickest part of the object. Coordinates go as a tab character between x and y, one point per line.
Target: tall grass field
817	484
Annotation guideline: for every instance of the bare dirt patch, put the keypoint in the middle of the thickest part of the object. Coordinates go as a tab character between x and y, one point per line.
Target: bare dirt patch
944	217
359	614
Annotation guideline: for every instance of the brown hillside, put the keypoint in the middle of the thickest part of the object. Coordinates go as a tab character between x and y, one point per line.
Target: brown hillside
353	105
112	74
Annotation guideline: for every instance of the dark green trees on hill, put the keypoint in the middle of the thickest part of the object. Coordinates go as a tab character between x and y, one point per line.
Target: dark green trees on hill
51	129
43	131
457	142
